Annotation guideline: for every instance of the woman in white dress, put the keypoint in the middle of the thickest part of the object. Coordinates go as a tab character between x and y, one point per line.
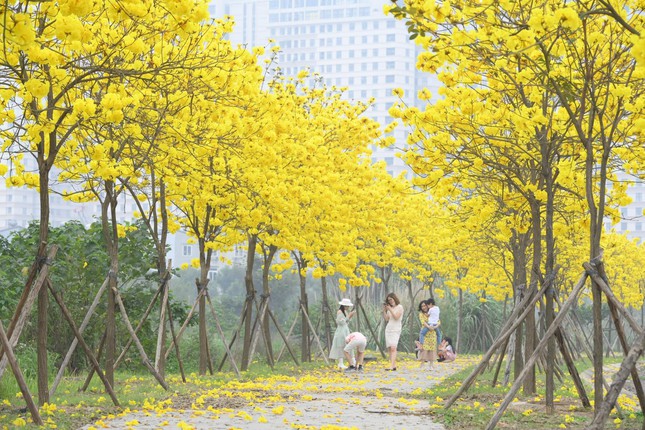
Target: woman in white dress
342	331
393	314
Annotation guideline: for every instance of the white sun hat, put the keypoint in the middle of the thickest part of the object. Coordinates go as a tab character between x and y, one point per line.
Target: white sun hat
345	302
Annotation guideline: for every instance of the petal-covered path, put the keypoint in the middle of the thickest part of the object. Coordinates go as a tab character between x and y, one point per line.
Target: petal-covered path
373	399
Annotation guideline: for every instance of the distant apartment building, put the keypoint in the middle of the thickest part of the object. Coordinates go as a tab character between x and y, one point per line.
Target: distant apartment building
350	43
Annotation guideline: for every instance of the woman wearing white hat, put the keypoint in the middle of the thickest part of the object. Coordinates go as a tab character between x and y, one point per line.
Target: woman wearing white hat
342	331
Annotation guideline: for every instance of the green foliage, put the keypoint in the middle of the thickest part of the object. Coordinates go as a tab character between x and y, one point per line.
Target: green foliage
77	272
480	321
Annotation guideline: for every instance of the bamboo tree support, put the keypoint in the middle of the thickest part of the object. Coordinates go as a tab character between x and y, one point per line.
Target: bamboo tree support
235	334
617	384
317	328
277	326
81	341
142	352
174	338
209	360
304	312
286	344
143	320
537	352
524	306
500	360
20	379
81	330
160	358
615	307
185	324
509	362
221	334
99	354
577	381
369	326
18	323
258	325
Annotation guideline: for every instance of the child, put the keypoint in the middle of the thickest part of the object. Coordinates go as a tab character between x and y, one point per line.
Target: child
446	352
433	322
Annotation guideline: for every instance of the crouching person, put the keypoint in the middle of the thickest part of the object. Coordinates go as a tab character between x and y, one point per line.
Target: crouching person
355	342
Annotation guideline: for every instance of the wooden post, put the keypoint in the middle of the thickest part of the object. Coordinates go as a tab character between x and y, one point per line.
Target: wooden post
235	334
174	338
160	358
286	344
314	333
184	325
136	330
525	306
81	329
367	321
582	393
619	381
142	352
293	356
528	366
221	334
21	319
81	341
15	368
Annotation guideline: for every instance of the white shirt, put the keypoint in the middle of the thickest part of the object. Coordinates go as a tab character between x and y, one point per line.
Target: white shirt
433	315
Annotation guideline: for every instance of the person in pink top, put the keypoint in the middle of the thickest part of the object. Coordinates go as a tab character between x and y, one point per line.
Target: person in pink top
355	341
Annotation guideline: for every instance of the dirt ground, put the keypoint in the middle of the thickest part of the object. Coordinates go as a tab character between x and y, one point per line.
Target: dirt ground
373	399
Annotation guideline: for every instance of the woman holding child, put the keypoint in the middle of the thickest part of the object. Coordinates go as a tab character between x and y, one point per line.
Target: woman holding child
428	350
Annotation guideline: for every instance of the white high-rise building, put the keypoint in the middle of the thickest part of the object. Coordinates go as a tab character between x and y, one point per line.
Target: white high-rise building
350	43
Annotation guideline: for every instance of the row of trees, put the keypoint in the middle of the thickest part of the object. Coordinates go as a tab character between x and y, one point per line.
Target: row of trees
541	111
150	99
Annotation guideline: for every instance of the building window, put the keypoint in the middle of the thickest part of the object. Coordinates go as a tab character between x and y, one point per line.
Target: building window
389	65
211	274
389	52
389	79
188	250
390	38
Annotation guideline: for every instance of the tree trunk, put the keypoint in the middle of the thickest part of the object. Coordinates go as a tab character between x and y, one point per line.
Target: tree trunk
305	351
460	316
43	295
326	312
549	268
529	386
109	225
250	298
266	295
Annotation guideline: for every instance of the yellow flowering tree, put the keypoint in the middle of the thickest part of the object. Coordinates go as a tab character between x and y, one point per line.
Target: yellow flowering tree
68	67
524	53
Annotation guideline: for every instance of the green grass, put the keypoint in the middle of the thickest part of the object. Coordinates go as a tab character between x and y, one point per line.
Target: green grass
475	407
472	411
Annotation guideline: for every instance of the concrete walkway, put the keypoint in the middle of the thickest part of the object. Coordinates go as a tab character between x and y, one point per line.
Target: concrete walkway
373	399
